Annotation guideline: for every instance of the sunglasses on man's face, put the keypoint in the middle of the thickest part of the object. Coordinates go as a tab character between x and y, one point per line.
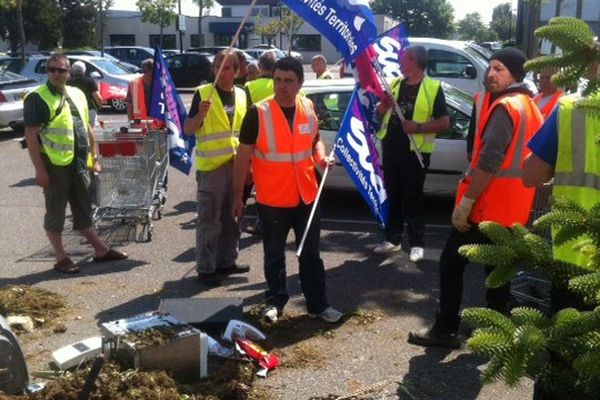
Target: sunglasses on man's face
57	70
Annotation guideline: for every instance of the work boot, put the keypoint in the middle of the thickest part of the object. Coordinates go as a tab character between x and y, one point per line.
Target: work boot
430	337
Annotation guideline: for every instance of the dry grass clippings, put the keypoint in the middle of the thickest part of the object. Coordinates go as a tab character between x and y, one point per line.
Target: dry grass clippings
41	305
304	355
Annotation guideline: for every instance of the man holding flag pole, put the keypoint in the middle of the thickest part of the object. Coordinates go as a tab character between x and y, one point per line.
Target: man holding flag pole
423	106
216	122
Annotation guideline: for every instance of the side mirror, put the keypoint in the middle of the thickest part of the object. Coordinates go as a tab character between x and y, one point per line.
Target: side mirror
470	72
96	75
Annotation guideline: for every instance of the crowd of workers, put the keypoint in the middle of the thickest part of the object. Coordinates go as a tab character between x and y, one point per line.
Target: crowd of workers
253	128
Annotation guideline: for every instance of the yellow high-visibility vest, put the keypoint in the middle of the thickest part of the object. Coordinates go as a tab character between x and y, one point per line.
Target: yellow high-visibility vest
423	112
58	136
577	170
217	139
260	89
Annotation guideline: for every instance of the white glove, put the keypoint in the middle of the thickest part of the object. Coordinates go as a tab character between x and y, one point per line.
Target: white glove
460	215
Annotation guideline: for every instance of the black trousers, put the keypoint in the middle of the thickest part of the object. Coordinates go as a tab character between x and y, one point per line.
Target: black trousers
277	223
404	179
452	268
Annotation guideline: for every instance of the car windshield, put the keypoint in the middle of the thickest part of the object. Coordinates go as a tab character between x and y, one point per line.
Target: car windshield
482	54
7	76
110	67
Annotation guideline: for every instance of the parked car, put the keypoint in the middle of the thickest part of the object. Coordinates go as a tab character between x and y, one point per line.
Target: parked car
113	79
12	64
170	52
214	50
294	54
97	53
131	54
190	69
257	52
13	87
448	162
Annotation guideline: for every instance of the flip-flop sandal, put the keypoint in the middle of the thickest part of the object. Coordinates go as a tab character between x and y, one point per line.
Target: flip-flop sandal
66	266
111	255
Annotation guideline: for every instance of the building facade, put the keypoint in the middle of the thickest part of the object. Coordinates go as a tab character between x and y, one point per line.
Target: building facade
530	14
125	28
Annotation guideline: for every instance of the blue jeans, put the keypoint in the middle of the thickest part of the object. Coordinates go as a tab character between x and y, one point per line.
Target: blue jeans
277	222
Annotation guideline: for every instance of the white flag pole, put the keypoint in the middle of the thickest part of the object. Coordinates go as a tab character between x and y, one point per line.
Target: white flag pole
399	112
314	207
233	42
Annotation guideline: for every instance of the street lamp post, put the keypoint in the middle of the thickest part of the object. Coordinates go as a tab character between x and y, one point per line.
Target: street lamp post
179	27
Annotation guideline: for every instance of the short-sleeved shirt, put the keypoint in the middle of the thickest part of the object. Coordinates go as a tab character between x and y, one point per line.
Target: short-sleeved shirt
36	113
395	139
88	86
544	143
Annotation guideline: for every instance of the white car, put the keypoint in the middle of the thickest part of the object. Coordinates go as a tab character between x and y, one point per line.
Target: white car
459	63
448	162
13	87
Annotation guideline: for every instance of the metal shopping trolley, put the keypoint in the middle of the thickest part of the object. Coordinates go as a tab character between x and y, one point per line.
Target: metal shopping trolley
528	288
131	186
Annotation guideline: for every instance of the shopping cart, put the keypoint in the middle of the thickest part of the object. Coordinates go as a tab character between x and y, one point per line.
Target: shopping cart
131	186
528	288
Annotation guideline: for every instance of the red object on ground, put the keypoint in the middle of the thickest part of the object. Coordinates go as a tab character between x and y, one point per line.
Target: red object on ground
266	360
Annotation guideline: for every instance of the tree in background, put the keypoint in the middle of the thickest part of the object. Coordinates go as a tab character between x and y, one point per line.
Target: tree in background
203	5
429	18
289	24
42	23
503	21
80	31
268	31
158	12
471	28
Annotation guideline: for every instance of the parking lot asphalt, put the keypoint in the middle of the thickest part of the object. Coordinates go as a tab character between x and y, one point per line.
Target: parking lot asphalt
371	359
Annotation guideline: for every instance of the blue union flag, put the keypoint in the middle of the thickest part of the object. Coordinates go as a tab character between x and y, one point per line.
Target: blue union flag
166	105
355	148
348	24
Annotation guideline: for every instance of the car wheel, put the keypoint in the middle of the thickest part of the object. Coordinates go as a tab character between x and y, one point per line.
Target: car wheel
119	105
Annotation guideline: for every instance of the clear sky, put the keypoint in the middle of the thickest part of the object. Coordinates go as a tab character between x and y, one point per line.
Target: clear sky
461	7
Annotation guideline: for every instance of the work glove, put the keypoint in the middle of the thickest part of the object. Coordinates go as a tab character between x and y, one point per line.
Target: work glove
460	215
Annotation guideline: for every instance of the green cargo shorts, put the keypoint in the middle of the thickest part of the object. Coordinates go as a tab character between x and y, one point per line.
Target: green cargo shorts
67	186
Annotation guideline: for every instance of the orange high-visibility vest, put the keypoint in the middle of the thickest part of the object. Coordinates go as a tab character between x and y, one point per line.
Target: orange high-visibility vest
282	163
505	200
549	106
138	100
138	104
482	107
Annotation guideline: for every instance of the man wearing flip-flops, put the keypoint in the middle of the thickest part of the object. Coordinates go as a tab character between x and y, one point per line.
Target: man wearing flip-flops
61	146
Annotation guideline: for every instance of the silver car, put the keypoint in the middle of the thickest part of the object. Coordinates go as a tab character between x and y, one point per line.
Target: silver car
13	87
448	162
113	79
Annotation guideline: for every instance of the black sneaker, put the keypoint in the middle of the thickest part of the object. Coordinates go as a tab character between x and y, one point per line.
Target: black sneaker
211	280
234	269
429	338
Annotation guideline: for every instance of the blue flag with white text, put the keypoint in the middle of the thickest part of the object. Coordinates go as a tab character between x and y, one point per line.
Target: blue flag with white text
166	105
355	148
348	24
